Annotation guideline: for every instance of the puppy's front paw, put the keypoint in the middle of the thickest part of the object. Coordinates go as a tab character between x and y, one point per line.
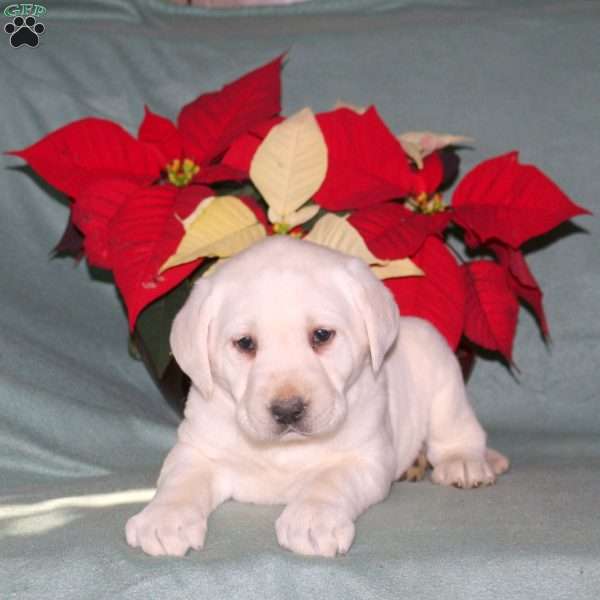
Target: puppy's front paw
314	529
464	472
167	529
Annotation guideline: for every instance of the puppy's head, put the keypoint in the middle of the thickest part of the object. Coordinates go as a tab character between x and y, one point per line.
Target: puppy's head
285	328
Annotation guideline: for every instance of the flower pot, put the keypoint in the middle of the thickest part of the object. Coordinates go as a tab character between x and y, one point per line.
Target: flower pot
173	383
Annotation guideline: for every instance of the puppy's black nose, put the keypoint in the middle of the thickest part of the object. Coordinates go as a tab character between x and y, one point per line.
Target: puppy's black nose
288	411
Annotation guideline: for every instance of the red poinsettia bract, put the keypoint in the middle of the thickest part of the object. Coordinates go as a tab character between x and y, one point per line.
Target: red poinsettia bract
500	205
366	163
129	194
438	296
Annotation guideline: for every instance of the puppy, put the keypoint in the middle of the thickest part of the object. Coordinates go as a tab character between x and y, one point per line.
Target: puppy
308	390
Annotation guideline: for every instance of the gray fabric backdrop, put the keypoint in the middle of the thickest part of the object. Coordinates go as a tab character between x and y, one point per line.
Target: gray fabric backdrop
83	429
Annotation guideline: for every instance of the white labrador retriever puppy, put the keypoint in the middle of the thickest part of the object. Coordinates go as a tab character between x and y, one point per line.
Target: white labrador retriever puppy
308	390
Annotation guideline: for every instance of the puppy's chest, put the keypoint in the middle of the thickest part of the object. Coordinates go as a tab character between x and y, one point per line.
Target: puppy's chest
271	479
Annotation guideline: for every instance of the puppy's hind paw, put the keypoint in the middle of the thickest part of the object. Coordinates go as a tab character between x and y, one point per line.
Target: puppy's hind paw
497	461
464	472
417	471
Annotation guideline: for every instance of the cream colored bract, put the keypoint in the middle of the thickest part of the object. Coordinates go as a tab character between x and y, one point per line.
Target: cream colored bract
290	165
220	226
337	233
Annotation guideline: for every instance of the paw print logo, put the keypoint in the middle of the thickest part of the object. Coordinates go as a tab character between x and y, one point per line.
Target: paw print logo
24	31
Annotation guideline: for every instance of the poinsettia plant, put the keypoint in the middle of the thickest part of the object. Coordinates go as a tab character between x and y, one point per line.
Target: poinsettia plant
166	206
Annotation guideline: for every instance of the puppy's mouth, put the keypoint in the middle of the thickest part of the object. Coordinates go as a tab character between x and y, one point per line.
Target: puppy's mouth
293	433
265	431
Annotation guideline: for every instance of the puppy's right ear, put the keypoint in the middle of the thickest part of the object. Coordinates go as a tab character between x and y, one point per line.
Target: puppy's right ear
378	309
189	336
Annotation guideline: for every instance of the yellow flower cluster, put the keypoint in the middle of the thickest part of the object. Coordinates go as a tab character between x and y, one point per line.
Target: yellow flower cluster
426	204
180	173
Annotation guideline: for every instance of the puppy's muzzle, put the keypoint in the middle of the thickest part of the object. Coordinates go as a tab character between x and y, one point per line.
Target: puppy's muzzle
288	411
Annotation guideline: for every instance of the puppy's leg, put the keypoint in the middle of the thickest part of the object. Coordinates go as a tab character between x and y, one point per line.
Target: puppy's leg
456	444
175	520
418	470
320	521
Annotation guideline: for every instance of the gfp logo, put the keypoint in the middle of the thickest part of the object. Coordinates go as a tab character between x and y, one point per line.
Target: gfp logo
25	10
24	29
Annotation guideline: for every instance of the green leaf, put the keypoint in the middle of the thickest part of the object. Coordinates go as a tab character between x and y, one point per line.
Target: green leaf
132	347
153	328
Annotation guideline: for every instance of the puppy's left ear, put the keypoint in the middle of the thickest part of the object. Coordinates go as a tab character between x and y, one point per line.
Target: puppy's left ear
190	333
378	308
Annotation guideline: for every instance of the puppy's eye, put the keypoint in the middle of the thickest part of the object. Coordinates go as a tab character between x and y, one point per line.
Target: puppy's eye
321	336
245	344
